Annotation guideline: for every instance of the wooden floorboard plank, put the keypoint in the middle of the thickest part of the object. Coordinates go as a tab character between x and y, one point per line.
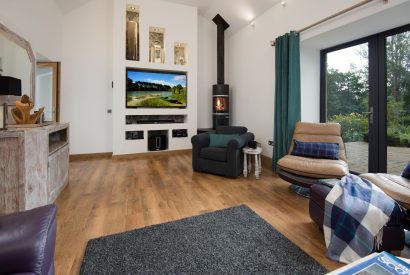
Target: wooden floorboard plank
106	196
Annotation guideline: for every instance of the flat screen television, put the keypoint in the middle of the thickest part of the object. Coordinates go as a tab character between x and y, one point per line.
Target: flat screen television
156	89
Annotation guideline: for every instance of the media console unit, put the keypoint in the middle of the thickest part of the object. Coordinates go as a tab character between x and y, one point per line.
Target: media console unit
33	167
156	132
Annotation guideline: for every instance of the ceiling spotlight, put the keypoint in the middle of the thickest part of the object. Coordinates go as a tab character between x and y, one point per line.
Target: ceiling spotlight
283	3
133	8
252	24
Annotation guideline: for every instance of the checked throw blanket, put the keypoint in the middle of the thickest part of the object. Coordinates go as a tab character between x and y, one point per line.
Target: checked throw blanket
355	213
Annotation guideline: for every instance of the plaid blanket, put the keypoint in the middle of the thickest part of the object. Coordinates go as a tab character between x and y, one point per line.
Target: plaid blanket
355	213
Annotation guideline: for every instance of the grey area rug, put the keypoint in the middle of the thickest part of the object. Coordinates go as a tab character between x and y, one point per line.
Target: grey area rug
231	241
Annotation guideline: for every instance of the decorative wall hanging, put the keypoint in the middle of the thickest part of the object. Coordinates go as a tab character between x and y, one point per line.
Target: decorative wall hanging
156	45
132	33
180	53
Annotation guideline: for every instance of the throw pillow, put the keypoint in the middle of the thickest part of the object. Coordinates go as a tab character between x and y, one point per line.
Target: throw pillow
406	171
220	140
321	150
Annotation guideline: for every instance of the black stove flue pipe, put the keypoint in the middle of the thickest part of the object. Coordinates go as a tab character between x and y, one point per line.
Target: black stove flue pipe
220	89
222	25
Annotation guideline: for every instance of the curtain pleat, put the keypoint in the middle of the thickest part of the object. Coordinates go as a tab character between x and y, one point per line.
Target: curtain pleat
287	93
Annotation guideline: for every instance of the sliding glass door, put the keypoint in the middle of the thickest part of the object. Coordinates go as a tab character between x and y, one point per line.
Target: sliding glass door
398	101
347	86
365	86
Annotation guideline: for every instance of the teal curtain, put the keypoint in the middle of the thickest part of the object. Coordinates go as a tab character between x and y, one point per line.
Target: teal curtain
287	93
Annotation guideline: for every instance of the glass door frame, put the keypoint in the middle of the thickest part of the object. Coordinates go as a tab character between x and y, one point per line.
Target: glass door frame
377	94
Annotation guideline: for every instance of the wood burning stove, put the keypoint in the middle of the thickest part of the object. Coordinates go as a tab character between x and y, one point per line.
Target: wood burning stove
221	104
220	91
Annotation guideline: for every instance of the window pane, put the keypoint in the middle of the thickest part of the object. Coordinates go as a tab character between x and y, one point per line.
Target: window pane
347	87
398	101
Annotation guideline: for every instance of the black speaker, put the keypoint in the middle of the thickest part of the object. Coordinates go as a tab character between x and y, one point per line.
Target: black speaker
157	140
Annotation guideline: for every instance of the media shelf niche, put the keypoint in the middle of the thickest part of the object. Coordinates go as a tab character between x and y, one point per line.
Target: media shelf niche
57	139
157	140
180	133
155	119
133	135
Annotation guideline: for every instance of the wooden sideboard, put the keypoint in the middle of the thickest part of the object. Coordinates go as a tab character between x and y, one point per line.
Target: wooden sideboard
33	166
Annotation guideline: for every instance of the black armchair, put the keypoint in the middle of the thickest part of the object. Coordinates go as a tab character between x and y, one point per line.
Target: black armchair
220	161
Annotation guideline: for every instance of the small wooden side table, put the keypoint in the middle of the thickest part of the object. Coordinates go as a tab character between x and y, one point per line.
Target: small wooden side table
247	161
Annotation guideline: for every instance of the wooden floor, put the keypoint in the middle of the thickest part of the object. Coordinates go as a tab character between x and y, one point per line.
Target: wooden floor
105	197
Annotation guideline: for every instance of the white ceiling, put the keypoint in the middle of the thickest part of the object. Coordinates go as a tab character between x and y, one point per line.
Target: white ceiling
237	13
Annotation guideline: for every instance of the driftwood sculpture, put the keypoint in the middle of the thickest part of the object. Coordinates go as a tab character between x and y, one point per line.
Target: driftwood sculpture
21	113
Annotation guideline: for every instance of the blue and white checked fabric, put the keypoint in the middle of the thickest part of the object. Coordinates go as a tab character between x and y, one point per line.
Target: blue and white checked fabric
322	150
355	213
406	171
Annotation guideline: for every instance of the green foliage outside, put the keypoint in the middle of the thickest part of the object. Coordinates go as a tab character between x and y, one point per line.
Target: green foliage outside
354	126
347	95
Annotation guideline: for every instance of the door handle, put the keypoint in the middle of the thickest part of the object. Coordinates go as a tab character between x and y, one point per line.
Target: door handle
370	114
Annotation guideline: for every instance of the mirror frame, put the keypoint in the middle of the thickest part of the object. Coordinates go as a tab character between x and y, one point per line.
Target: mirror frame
14	37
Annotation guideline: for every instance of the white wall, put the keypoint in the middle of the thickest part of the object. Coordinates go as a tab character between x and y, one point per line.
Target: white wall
181	25
86	75
39	22
206	70
251	62
310	83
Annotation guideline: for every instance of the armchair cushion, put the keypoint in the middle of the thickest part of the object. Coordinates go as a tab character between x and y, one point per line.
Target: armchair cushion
214	153
220	140
321	150
398	188
314	168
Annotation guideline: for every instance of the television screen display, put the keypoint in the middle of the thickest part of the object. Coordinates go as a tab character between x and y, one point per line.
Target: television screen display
156	89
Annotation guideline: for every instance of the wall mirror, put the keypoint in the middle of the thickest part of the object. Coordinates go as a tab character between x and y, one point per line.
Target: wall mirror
17	60
48	89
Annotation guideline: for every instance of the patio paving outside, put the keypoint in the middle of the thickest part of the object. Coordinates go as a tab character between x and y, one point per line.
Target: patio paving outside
357	157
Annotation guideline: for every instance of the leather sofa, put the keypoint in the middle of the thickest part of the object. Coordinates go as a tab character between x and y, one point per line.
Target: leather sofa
27	241
393	232
227	161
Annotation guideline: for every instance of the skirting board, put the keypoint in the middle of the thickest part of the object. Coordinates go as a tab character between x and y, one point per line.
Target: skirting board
90	156
150	154
266	162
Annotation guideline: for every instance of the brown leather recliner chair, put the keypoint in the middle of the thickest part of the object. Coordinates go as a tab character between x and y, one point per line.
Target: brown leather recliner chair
305	171
397	187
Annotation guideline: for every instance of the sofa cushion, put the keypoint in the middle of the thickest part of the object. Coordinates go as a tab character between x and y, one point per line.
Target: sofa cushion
398	188
322	150
406	171
214	153
220	140
314	168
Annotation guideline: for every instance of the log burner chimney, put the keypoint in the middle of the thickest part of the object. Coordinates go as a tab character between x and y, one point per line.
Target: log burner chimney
220	90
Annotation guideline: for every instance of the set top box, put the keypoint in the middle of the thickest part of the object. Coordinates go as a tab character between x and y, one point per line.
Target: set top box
156	89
